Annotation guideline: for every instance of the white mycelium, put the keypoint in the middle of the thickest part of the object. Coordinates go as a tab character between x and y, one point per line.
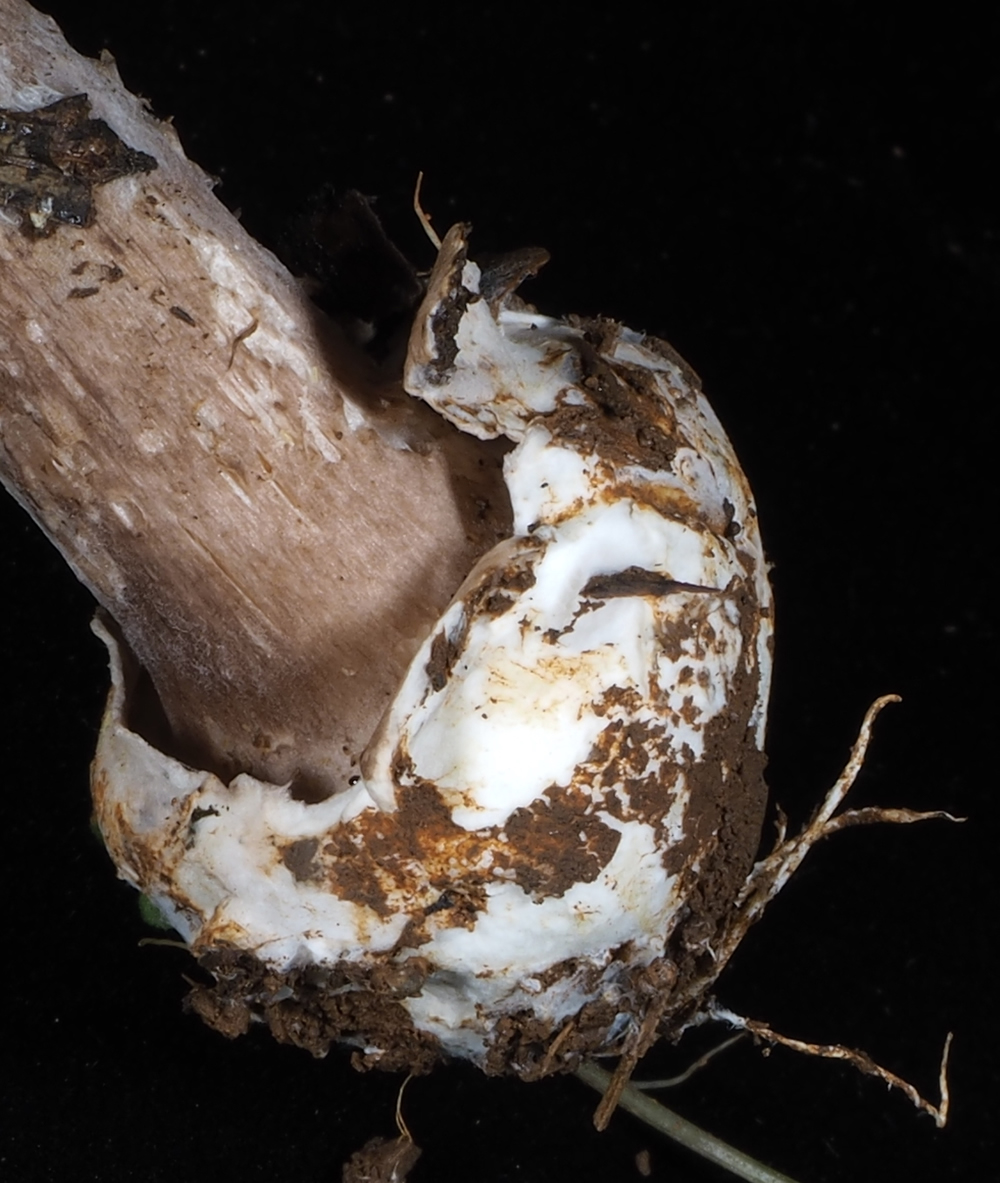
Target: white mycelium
560	764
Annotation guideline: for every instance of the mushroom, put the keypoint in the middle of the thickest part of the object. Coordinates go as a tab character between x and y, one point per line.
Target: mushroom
421	740
438	691
564	795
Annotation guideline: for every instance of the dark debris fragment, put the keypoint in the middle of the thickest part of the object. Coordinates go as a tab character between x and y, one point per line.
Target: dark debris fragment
52	158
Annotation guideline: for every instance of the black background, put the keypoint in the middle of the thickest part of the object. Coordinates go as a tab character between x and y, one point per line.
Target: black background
804	203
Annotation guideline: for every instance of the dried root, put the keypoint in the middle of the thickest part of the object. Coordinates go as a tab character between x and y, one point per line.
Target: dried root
422	216
861	1060
771	874
671	1082
763	883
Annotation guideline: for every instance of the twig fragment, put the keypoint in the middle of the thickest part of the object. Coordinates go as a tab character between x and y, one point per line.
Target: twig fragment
660	1118
242	335
634	1050
425	220
556	1044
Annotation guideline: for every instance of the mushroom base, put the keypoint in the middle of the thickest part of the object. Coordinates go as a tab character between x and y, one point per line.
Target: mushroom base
541	848
393	995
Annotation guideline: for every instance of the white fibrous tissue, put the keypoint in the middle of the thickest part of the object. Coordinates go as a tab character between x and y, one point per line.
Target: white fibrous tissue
553	820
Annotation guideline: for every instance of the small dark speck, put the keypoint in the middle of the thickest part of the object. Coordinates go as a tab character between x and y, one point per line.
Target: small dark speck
82	293
181	314
443	901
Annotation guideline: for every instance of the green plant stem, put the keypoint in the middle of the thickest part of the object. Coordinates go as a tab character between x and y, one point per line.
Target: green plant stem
687	1134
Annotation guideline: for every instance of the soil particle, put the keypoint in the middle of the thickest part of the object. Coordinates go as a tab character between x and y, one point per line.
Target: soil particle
492	596
588	973
726	810
733	527
618	698
688	375
348	869
622	749
652	797
313	1007
458	907
444	653
453	299
556	844
382	1160
375	860
496	594
535	1047
229	1016
300	858
624	419
676	637
623	752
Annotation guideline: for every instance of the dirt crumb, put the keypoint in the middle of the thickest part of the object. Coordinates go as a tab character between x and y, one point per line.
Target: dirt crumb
382	1160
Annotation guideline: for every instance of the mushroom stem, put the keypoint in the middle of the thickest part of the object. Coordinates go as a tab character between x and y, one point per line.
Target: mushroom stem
270	520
